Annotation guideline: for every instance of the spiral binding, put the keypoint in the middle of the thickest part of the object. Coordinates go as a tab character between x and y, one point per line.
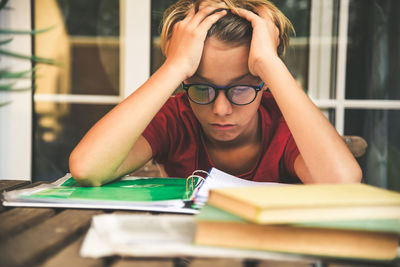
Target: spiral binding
195	186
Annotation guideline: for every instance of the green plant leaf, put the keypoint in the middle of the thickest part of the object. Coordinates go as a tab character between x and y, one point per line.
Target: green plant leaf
6	41
3	3
6	87
9	88
30	57
5	103
8	31
4	74
18	89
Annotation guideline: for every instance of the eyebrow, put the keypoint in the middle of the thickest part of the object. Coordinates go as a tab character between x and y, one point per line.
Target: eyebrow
233	80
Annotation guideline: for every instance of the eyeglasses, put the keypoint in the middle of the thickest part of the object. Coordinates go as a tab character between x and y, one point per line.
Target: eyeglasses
204	94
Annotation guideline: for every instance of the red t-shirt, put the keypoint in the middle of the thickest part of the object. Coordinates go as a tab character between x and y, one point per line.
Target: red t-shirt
175	136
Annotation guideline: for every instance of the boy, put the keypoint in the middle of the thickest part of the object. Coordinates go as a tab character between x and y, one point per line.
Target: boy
242	111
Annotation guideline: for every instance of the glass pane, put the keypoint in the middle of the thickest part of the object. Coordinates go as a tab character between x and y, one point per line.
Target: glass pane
381	130
373	55
59	127
296	57
85	40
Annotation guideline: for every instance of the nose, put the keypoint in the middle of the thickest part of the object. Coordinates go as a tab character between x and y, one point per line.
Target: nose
221	105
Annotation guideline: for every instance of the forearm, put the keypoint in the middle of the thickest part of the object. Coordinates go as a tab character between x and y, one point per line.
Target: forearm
100	154
325	155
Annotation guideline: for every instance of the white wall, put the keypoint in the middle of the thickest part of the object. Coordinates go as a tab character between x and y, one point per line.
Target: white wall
16	117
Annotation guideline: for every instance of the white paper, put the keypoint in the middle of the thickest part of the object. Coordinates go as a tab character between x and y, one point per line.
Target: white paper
160	236
219	179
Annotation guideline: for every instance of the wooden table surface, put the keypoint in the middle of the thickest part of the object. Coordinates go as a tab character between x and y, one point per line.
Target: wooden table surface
52	237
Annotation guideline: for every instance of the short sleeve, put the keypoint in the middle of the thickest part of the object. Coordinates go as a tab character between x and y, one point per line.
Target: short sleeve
156	135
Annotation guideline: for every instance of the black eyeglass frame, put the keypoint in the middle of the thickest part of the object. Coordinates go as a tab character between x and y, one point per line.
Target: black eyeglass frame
257	88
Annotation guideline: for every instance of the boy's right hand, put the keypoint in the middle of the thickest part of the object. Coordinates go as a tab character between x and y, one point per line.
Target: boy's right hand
185	47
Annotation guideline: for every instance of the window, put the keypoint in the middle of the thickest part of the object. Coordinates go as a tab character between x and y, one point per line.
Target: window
70	98
104	50
372	86
358	80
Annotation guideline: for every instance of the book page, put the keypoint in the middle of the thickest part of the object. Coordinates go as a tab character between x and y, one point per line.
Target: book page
219	179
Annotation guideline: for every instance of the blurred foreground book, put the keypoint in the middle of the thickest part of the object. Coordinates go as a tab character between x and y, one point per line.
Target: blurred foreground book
356	239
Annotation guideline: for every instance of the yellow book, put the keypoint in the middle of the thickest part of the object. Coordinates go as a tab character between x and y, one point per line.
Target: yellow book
307	203
356	239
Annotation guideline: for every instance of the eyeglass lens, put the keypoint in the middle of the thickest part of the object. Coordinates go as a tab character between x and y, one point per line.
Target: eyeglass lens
203	94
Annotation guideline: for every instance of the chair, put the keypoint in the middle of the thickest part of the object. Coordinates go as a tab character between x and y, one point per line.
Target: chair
356	144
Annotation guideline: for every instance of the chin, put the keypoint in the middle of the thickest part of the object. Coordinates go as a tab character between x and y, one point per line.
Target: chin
224	138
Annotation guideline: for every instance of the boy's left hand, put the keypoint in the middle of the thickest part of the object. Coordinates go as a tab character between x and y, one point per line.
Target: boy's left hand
265	39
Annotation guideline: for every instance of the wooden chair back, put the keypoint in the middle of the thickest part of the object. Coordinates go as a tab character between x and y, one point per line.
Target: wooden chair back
356	144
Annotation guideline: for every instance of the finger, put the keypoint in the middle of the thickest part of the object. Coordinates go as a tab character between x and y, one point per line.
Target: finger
263	12
269	19
190	14
262	15
264	18
211	19
252	17
203	13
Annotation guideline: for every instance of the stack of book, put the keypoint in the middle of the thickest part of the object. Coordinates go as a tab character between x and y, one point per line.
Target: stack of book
343	221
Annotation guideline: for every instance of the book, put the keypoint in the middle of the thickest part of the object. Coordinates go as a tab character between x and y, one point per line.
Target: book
306	203
128	193
357	239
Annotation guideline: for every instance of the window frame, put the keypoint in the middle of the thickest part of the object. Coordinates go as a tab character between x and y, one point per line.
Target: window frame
16	115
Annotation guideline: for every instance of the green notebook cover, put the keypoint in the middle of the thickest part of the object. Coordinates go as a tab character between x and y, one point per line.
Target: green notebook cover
126	189
211	213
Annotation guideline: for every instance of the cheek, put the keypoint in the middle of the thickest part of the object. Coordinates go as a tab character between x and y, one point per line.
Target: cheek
200	111
249	111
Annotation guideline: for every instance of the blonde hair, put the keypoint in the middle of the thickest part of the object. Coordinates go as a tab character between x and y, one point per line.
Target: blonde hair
230	28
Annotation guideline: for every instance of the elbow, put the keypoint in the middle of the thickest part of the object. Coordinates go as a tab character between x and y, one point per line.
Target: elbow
351	174
80	173
357	176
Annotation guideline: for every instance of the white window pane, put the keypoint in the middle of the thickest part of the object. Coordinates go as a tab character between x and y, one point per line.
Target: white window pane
85	40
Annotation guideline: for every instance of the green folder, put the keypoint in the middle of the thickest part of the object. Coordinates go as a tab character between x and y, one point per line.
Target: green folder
131	193
127	189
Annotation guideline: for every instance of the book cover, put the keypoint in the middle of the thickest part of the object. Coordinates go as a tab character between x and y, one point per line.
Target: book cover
362	239
306	203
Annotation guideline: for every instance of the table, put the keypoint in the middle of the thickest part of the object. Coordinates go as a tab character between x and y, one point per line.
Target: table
52	237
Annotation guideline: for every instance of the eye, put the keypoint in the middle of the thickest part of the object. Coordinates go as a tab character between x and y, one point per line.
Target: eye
201	93
201	88
241	89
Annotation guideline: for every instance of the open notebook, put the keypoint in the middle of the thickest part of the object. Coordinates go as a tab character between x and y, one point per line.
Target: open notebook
175	195
219	179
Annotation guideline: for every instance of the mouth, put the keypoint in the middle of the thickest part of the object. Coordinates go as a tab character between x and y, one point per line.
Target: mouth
222	127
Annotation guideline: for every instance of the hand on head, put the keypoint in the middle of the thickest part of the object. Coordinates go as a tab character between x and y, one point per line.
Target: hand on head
185	47
185	39
265	39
